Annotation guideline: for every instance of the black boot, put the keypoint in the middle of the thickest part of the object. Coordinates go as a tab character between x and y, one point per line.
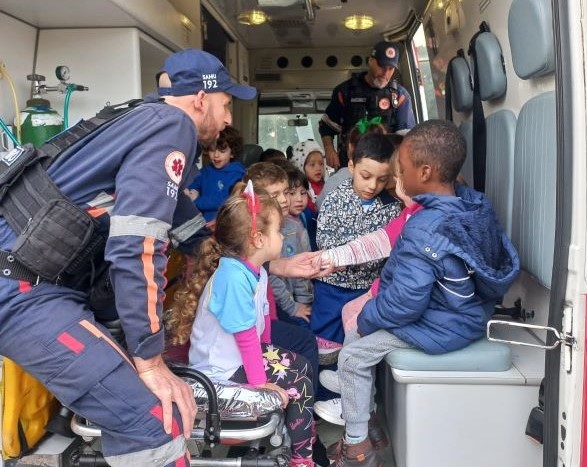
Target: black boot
319	454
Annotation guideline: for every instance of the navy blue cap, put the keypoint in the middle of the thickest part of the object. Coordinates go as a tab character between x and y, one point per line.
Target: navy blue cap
191	71
386	53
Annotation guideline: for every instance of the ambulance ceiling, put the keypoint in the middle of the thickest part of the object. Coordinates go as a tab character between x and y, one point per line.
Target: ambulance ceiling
315	23
292	23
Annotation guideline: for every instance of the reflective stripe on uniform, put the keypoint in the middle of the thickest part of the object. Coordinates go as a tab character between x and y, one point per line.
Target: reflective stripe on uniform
184	231
149	272
163	455
139	226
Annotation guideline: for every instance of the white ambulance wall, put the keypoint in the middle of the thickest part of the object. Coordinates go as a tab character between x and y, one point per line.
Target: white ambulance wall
17	48
495	14
107	61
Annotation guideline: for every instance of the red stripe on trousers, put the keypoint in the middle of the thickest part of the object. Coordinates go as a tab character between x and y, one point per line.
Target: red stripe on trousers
157	412
71	342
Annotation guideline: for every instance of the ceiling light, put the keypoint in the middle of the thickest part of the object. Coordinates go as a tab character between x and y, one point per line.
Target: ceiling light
252	17
359	22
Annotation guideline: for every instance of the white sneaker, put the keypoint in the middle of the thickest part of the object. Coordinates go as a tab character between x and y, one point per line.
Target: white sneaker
331	411
329	379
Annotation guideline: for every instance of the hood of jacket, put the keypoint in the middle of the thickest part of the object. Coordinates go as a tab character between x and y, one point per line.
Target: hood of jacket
470	230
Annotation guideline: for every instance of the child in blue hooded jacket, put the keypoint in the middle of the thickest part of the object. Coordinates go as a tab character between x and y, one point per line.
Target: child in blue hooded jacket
447	270
212	187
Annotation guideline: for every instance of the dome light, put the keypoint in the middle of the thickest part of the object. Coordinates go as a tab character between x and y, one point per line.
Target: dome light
252	17
359	22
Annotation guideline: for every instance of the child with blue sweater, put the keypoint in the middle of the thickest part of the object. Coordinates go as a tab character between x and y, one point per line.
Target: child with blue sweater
447	270
212	187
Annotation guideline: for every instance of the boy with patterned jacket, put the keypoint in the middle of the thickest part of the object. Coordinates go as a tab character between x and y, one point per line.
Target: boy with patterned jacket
351	210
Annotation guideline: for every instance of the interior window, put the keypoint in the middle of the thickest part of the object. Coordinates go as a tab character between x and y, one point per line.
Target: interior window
283	130
425	83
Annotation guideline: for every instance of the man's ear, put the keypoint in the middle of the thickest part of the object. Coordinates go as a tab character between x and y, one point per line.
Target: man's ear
200	101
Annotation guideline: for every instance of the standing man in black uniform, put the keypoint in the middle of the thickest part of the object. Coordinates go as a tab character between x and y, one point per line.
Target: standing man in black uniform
369	94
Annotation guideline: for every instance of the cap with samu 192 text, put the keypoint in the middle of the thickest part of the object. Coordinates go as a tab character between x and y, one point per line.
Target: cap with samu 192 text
191	71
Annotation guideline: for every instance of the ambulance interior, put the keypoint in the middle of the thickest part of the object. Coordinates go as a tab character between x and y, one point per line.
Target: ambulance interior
492	403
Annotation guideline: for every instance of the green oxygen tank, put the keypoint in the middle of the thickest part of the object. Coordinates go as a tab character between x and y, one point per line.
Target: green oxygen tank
39	122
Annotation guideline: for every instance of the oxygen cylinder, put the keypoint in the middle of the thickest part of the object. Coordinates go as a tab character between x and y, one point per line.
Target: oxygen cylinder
39	122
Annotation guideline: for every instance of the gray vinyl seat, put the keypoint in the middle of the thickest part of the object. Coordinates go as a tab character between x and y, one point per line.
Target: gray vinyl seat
532	46
499	181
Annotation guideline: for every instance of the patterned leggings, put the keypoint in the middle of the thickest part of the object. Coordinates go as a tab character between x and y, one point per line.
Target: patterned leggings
293	373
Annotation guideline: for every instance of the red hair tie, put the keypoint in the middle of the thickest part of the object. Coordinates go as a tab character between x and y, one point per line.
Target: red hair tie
253	204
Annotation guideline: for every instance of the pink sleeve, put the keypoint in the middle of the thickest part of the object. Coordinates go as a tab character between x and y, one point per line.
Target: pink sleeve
395	226
266	335
250	348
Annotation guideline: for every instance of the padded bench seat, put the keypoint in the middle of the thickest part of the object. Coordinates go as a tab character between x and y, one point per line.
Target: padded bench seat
467	407
481	355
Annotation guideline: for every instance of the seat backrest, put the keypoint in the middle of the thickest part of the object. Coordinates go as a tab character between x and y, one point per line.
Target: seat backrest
499	183
534	209
535	188
466	129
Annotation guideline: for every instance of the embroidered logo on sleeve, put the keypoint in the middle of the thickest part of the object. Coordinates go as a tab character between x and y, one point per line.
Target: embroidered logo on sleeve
174	165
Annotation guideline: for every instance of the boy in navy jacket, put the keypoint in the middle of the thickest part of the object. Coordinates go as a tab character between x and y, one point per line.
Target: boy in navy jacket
212	187
448	269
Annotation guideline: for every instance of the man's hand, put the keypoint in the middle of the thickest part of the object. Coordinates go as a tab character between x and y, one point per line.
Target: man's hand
332	158
168	388
304	312
301	265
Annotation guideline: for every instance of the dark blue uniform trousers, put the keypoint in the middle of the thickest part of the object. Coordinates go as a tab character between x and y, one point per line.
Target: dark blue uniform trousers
52	335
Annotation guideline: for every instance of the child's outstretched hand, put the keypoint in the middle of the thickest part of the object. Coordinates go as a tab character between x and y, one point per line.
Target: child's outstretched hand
304	311
303	265
282	393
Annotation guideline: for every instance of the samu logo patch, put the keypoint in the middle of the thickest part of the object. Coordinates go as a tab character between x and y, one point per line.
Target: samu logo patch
174	166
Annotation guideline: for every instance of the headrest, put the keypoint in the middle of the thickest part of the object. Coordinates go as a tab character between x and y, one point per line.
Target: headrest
251	153
492	79
531	37
461	84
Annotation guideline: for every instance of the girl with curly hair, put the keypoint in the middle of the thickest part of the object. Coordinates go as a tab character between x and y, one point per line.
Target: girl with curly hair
223	310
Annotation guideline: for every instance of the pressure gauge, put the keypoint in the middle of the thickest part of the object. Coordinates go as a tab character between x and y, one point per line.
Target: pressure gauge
62	73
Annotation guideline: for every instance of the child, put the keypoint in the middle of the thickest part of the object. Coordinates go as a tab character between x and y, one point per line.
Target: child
362	127
230	334
271	155
448	269
293	297
212	187
308	156
295	240
353	209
